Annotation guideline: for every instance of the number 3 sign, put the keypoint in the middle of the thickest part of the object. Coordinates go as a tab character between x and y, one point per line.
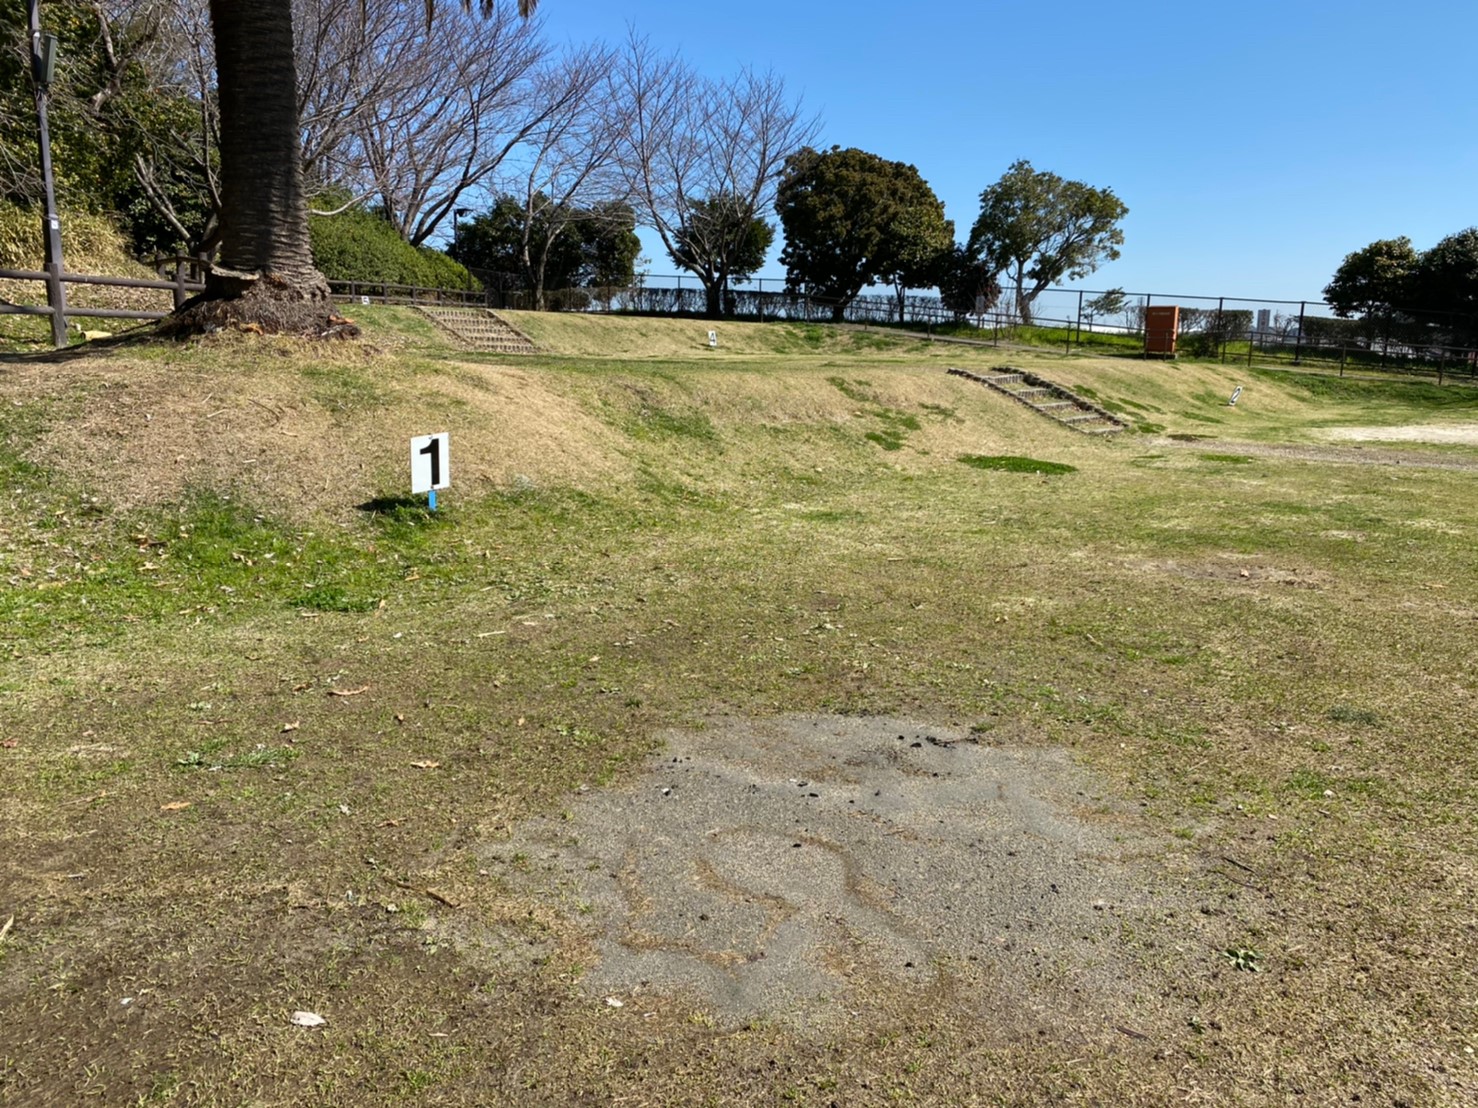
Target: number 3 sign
431	462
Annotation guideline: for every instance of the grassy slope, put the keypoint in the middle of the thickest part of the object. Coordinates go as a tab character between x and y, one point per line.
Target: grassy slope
641	533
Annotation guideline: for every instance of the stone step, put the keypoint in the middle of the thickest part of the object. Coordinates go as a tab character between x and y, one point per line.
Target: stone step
1047	399
480	329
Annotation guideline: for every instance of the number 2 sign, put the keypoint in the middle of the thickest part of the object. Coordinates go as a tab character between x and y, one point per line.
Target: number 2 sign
431	462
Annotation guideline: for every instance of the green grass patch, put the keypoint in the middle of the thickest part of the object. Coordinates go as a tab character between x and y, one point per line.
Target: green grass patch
1011	463
1396	392
1226	459
1349	713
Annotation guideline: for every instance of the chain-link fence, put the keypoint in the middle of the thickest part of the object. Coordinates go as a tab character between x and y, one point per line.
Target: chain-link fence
1225	328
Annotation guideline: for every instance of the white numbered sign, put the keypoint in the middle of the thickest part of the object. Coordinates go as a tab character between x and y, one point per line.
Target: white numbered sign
431	462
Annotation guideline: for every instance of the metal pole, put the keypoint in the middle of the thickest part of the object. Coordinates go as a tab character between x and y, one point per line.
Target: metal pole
1221	327
51	227
1080	317
1298	340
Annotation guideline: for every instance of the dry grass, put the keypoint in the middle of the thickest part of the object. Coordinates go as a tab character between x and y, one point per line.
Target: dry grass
1266	657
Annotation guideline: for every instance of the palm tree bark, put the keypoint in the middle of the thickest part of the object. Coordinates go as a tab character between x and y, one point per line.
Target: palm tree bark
264	226
265	279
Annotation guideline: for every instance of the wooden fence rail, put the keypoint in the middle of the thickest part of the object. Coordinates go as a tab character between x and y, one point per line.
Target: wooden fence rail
183	286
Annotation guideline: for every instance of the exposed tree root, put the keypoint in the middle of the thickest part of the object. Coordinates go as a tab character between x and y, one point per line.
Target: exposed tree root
265	307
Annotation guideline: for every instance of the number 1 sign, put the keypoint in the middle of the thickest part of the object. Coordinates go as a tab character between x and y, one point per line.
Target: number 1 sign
431	464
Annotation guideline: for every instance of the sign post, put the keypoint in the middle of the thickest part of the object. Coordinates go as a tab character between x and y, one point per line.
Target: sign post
431	465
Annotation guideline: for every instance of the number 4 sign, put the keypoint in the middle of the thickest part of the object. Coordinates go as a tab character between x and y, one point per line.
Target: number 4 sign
431	464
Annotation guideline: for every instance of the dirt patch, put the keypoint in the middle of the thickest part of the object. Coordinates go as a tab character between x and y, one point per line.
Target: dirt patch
770	869
1463	434
1233	569
1339	455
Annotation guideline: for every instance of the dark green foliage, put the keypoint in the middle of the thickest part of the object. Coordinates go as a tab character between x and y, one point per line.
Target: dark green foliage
1431	297
1110	303
853	219
1444	287
721	240
108	114
1010	463
358	245
967	284
1374	280
545	246
1039	228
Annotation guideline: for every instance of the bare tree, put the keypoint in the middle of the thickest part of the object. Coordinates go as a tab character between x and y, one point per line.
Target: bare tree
696	146
472	96
171	165
389	105
352	56
568	170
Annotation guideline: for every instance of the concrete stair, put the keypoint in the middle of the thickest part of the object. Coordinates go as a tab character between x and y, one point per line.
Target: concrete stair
1047	399
480	329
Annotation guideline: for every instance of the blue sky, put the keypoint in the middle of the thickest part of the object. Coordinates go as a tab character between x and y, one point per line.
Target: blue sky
1255	143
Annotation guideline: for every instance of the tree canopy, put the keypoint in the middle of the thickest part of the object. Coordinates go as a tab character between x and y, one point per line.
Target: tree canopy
853	219
1445	282
720	240
1373	280
1039	228
967	285
551	247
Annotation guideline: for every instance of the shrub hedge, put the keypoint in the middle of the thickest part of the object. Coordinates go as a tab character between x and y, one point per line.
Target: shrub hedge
358	245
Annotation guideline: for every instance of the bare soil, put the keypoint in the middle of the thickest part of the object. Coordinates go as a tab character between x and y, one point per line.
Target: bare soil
778	869
1465	434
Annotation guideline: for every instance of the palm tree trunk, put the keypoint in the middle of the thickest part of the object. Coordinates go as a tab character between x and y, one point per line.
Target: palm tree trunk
264	213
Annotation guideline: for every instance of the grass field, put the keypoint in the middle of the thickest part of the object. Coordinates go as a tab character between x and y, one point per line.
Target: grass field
272	736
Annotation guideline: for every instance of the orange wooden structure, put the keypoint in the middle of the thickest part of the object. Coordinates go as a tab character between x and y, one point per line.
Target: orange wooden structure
1161	326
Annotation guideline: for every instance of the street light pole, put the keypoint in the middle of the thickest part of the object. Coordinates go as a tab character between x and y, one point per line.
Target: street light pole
43	65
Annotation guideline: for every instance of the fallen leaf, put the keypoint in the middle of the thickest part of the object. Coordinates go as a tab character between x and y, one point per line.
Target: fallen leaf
175	806
307	1019
426	765
615	1002
348	692
293	726
10	744
392	823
